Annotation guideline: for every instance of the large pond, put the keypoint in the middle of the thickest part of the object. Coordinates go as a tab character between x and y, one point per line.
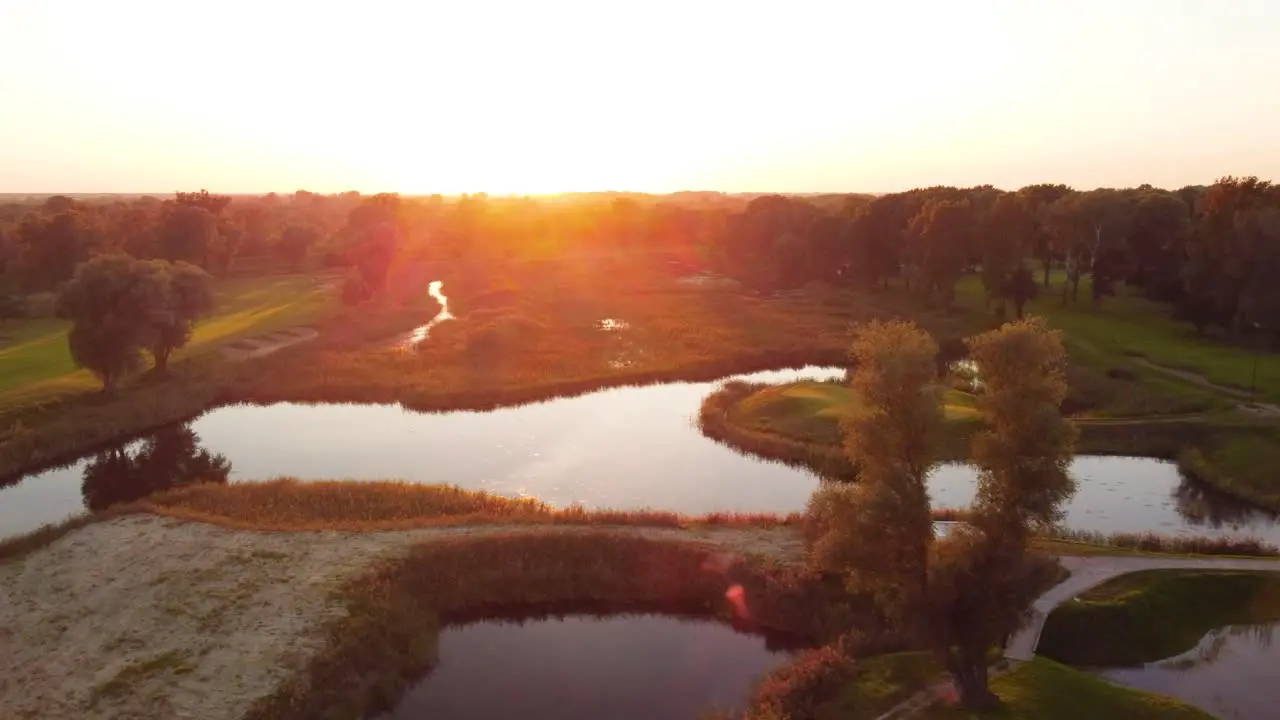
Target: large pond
632	667
1234	673
626	448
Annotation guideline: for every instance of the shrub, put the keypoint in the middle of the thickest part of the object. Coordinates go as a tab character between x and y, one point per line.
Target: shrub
1121	373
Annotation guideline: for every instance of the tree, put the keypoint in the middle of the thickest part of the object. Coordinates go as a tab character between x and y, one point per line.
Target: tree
111	303
1020	287
891	441
1224	249
983	578
1042	198
188	297
1158	232
964	594
944	232
1006	230
213	204
51	247
1084	225
188	233
374	230
294	243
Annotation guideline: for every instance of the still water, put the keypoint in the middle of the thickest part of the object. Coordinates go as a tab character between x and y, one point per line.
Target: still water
632	667
1234	673
626	448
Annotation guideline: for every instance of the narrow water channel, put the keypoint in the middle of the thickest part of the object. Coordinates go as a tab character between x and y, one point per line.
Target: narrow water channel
627	667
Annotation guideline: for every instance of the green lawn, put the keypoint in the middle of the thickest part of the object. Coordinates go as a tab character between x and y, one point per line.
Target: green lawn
1127	325
811	411
1045	690
35	364
1148	616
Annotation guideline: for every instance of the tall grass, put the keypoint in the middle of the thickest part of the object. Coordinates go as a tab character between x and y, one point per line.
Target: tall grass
1170	544
291	505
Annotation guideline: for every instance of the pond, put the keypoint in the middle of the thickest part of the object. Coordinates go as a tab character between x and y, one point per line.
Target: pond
626	448
1234	673
622	667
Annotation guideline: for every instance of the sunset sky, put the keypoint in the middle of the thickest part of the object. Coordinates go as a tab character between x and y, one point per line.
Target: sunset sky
546	96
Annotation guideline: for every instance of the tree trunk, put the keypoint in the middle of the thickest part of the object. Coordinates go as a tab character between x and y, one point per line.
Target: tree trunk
1047	263
970	679
161	354
1018	305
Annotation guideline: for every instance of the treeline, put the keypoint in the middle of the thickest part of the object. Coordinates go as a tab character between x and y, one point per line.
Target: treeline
1212	252
41	243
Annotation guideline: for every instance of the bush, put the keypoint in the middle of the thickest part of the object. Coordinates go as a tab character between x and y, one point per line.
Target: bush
1120	373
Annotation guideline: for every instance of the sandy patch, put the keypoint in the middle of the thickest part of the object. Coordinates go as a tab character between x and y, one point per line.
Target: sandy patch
144	617
267	344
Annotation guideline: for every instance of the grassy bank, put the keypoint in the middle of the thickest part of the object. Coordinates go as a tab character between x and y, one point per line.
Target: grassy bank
800	424
387	638
1241	463
1153	615
1045	690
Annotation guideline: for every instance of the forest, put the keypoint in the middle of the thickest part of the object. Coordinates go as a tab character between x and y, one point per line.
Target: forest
1209	252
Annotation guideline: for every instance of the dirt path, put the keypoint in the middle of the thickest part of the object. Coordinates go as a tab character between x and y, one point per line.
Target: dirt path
1251	405
1089	572
144	617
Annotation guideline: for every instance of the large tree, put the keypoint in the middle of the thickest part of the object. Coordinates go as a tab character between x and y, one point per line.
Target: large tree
891	440
943	234
1007	230
188	297
1087	227
964	594
189	233
111	304
983	577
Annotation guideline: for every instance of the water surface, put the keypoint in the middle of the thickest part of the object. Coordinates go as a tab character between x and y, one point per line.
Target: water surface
630	667
1234	673
627	448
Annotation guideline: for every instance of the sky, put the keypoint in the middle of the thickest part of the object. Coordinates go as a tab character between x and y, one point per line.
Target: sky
656	96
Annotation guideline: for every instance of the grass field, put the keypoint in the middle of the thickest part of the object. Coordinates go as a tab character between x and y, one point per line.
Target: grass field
35	364
1125	326
813	411
1045	690
1148	616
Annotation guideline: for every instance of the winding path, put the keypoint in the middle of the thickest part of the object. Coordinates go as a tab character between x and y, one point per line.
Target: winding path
1089	572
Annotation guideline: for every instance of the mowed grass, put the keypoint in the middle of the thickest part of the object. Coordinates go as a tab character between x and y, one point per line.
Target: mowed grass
1045	690
35	363
1149	616
813	411
1124	326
